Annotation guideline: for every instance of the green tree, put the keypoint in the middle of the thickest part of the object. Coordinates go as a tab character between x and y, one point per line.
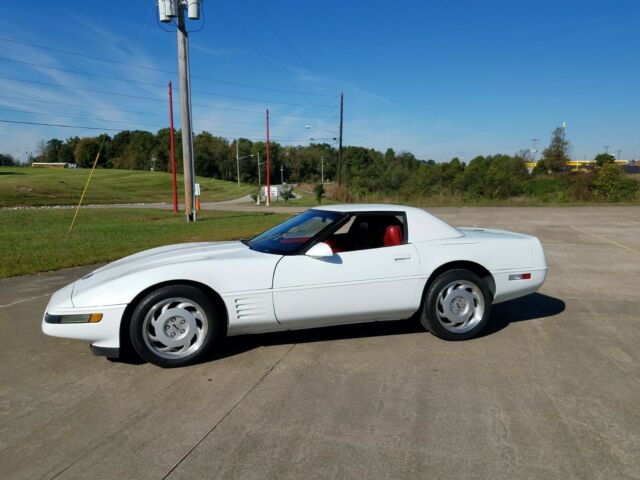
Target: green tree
319	192
67	150
287	193
603	158
6	160
86	150
556	155
505	177
613	185
52	150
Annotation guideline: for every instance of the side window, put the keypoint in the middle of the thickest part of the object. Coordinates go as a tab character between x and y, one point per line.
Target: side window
366	231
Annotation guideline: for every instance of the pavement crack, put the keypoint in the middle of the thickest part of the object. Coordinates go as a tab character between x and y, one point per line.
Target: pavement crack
246	394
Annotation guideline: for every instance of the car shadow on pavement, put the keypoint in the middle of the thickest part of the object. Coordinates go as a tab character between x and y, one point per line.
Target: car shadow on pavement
531	307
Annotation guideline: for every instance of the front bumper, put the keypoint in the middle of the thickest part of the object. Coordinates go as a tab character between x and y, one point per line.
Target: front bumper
105	352
104	334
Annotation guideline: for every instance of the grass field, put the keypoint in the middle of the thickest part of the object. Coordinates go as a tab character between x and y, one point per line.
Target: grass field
22	187
36	240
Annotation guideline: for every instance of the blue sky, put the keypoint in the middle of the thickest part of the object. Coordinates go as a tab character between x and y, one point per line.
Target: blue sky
439	79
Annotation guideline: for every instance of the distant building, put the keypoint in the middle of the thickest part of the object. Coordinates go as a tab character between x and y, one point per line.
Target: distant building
587	165
52	165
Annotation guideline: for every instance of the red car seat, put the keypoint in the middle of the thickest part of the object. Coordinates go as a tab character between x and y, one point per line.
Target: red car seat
393	236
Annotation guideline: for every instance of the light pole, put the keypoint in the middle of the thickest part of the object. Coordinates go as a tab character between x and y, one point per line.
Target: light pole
238	158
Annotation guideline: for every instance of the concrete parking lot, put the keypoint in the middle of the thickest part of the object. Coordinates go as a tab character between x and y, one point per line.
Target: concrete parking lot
552	390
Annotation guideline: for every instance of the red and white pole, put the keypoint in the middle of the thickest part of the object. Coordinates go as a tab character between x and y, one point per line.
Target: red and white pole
268	164
173	151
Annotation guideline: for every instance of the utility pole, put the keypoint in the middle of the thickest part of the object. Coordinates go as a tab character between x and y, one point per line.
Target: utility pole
619	153
268	164
259	182
237	163
167	10
281	174
322	169
340	141
185	111
606	149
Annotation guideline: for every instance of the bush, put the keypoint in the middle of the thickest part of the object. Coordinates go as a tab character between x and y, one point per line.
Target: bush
581	186
318	190
342	194
612	185
545	188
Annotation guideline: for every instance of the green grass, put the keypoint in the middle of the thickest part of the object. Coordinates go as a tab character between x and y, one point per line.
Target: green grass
36	240
21	187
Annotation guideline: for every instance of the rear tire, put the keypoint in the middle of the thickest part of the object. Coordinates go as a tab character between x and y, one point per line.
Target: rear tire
457	305
175	326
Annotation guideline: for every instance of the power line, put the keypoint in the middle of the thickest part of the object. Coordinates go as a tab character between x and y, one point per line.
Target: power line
86	117
59	125
71	87
155	69
258	49
276	29
226	136
205	127
78	72
120	110
22	99
140	97
140	82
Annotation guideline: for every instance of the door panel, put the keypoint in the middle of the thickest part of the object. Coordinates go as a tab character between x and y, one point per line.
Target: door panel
355	286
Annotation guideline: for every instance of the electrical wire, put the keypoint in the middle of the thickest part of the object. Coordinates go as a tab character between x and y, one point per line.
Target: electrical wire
201	92
277	31
78	72
60	125
258	50
146	112
86	117
155	69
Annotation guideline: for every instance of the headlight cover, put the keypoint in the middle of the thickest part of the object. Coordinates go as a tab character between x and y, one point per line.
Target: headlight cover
79	318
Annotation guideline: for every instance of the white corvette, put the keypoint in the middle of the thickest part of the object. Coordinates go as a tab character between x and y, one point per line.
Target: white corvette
329	265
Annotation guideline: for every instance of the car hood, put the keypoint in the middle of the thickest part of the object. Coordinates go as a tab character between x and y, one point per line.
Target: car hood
161	257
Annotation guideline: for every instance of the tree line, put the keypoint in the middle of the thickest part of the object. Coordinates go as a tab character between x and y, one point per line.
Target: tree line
366	172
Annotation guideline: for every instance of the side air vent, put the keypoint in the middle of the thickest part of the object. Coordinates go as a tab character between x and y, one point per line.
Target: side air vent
252	307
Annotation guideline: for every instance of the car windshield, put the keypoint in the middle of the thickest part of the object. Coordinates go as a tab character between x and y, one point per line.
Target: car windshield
295	234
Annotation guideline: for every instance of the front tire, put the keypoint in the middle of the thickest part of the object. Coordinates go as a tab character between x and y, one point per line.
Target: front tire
457	305
174	326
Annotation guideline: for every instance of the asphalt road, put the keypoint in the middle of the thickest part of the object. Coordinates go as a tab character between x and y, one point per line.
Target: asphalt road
552	390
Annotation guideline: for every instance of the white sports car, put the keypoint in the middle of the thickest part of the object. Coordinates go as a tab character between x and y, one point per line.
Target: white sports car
329	265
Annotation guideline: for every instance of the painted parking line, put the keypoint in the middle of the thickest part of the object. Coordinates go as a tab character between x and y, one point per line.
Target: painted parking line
620	245
25	300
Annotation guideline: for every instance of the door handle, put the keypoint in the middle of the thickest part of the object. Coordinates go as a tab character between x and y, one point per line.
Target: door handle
400	258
